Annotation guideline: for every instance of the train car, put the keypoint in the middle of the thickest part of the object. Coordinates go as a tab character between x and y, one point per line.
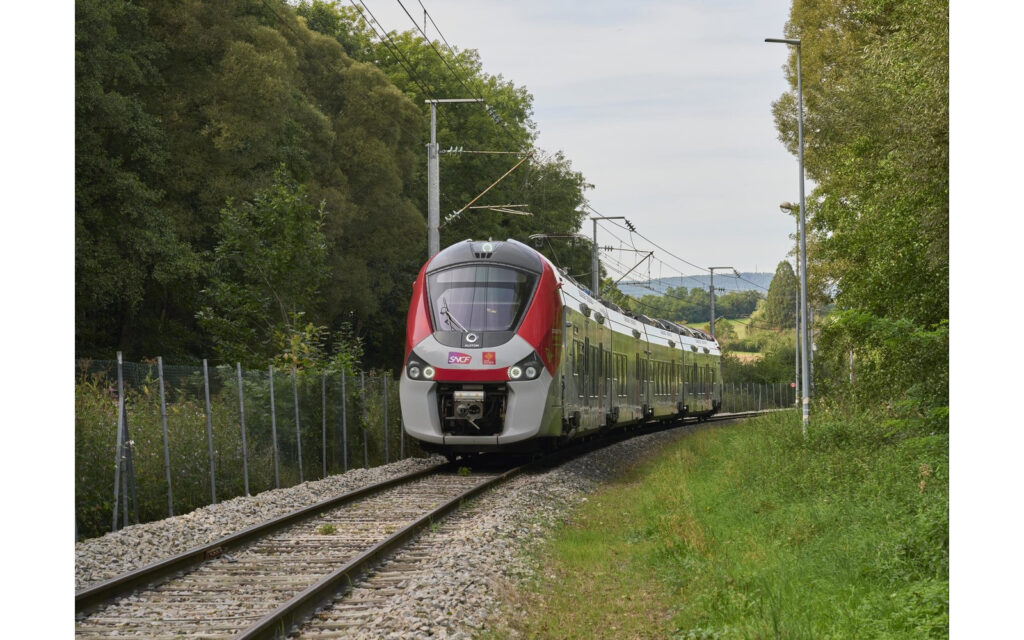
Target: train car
505	353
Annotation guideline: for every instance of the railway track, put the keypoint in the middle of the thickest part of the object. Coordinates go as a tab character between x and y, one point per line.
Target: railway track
262	581
266	580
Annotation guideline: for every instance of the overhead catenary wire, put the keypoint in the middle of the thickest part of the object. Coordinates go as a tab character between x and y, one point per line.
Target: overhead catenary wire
399	55
614	223
502	126
616	236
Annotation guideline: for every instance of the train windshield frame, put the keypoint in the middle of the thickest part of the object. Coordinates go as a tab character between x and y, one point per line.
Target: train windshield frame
479	297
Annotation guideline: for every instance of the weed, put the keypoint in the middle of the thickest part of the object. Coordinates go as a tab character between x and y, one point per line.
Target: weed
464	471
327	529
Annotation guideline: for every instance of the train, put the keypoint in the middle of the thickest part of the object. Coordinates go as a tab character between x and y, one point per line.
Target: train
505	353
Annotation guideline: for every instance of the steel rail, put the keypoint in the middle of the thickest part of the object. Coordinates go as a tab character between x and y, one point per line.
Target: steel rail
280	622
90	598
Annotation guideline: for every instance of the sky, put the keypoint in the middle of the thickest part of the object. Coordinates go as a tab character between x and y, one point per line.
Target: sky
665	107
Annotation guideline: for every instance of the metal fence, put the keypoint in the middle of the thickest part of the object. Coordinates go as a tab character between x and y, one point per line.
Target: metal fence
753	396
153	440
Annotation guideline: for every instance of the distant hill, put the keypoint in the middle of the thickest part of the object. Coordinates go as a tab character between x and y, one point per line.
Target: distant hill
758	281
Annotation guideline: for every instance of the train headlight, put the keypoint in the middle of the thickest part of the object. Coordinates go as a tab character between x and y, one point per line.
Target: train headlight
416	370
526	369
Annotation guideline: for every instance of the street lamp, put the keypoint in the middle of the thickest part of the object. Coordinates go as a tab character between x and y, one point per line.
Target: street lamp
712	270
804	365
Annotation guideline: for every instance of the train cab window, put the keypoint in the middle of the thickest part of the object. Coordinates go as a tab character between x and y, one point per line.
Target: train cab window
479	298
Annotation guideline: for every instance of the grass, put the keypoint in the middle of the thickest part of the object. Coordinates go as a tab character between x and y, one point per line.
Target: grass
752	532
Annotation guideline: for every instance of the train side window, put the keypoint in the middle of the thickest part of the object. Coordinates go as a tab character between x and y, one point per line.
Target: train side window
579	368
592	367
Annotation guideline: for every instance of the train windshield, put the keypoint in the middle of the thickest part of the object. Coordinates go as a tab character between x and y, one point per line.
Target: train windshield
479	298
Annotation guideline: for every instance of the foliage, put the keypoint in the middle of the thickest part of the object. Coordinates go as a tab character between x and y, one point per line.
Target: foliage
780	304
774	365
876	89
753	531
269	264
694	305
894	359
124	249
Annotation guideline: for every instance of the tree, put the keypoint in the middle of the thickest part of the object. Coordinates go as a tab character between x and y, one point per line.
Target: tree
780	305
124	246
270	262
876	89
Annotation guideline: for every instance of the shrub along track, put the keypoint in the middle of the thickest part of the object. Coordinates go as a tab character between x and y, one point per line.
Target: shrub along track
261	582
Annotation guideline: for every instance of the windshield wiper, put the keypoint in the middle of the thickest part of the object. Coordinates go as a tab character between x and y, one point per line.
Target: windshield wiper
451	319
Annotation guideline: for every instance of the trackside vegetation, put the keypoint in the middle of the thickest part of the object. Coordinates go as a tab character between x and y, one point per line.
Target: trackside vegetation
751	531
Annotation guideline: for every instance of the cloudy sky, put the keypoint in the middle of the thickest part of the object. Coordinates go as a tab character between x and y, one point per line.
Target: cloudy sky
664	106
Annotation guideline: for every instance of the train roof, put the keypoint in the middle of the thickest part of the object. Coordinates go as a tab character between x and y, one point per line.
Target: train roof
516	254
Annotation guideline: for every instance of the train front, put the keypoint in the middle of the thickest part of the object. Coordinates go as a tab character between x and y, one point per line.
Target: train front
482	349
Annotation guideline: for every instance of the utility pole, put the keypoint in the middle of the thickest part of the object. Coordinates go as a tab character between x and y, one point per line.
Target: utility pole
712	270
595	275
433	179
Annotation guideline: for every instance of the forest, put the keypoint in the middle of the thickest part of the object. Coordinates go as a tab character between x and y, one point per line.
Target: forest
250	178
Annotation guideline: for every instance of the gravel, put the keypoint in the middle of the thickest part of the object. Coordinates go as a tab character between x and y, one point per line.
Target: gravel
99	559
447	584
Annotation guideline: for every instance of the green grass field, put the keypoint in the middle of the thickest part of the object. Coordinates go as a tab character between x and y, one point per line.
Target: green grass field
749	531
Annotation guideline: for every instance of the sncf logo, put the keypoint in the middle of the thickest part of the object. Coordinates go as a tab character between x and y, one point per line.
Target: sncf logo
454	357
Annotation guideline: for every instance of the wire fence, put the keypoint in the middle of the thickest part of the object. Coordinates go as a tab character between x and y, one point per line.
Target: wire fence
154	440
753	396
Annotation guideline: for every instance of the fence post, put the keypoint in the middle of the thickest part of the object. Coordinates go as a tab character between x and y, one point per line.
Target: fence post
209	431
128	480
323	416
163	422
241	419
120	436
384	383
344	424
273	429
298	431
362	395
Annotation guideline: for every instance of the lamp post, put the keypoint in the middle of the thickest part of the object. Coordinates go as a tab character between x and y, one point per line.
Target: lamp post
595	276
712	270
804	365
433	179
